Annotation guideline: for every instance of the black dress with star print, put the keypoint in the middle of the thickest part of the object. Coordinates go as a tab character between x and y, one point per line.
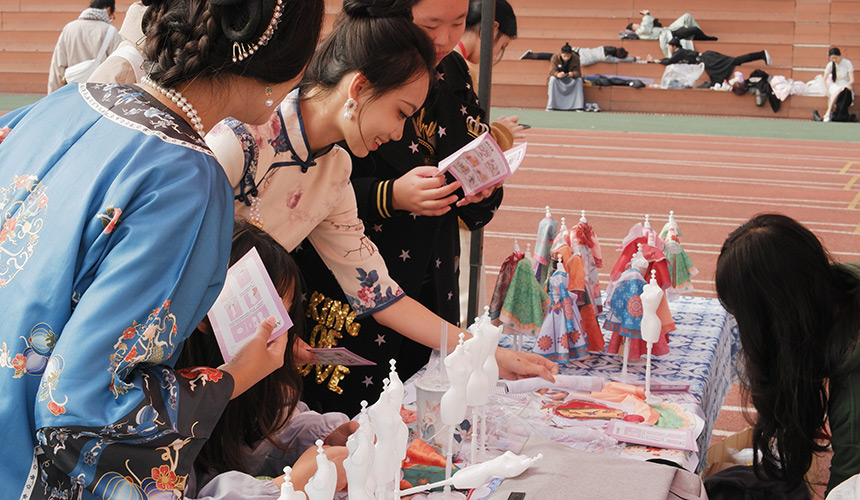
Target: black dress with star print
422	253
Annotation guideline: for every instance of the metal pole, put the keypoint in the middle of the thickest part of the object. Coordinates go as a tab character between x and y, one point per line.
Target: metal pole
488	17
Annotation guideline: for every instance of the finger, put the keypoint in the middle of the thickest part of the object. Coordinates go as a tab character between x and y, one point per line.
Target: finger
425	171
264	329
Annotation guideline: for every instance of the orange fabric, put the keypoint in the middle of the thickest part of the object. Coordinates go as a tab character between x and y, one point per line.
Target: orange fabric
421	453
617	392
575	267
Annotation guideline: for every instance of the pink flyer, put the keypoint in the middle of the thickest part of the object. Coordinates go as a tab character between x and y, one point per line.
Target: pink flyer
247	299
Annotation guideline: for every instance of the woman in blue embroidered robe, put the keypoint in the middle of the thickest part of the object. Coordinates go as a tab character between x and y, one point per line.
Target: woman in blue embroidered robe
116	222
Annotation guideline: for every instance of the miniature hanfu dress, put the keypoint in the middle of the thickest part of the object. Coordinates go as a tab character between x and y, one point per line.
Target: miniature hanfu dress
583	236
503	283
561	337
525	303
647	237
681	268
578	289
547	230
624	318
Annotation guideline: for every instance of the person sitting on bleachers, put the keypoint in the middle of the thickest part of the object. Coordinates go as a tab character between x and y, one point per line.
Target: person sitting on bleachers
685	28
587	56
719	67
838	75
565	82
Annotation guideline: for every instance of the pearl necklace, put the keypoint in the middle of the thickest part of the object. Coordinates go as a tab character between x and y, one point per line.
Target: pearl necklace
177	97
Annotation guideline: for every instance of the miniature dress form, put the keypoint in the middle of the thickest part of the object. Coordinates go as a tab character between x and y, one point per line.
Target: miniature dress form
287	491
561	337
384	421
359	464
547	228
651	326
322	485
458	365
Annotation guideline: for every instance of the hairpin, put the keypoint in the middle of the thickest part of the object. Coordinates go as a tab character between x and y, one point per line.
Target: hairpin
243	50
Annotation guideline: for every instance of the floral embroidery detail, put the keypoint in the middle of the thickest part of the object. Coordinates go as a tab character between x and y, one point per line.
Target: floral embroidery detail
49	384
22	214
201	374
165	479
110	218
3	133
149	342
56	409
37	348
18	364
370	295
545	343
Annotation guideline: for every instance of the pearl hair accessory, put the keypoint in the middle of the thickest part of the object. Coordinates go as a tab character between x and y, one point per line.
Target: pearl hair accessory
350	106
243	50
254	217
269	100
177	97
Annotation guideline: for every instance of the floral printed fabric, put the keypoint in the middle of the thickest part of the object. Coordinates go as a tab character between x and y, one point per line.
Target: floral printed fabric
561	337
127	253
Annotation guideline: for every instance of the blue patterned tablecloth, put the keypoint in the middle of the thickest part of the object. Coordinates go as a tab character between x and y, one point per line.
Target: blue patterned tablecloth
701	353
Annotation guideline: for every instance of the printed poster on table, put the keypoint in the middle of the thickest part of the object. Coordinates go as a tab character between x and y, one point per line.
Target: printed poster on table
247	299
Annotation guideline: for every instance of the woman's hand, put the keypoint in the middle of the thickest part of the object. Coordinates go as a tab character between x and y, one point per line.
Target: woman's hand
421	192
339	436
514	365
559	75
306	466
475	198
256	358
301	355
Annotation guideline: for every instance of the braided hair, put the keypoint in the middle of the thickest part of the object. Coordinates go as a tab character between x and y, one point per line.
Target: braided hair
187	39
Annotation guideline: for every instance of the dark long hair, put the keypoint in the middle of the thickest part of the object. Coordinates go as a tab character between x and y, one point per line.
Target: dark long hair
504	16
186	39
834	51
798	314
262	410
376	38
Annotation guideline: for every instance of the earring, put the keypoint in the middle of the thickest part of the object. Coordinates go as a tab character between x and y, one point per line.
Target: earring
269	100
350	106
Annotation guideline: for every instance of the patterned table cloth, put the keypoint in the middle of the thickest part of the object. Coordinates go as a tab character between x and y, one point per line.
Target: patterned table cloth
701	353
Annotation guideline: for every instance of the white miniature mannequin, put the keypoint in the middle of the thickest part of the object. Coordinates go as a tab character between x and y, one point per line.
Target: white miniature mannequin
478	388
395	395
322	485
647	222
639	262
385	454
651	296
504	466
452	408
582	217
359	463
287	491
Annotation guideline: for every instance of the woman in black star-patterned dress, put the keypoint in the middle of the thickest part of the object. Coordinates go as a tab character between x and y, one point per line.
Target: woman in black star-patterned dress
410	216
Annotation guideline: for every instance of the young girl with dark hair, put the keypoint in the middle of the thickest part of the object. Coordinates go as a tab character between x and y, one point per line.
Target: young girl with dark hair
116	226
838	75
267	427
292	179
504	30
798	315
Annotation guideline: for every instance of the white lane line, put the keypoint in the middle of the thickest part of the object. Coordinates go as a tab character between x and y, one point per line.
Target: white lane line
715	198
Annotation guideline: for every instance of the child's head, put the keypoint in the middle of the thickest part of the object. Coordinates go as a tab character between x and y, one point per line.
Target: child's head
444	21
376	63
264	408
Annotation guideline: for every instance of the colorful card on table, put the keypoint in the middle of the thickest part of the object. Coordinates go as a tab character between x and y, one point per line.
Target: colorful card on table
482	163
339	356
675	439
247	299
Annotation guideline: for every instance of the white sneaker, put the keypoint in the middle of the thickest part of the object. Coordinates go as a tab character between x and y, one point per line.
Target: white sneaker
525	54
767	59
827	117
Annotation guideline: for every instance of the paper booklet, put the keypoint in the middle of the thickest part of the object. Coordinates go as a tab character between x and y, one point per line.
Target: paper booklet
247	299
482	163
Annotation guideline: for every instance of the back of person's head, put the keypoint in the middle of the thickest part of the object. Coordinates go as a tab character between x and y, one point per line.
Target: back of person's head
377	39
834	51
505	16
797	316
566	48
629	26
262	410
110	5
188	39
622	52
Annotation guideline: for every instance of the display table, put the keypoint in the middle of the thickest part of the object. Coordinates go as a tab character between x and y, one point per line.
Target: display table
702	352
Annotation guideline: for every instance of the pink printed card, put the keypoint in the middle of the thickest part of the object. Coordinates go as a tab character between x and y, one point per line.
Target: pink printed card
339	356
247	299
481	163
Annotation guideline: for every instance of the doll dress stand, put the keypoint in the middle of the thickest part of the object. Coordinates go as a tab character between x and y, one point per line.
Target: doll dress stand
624	318
503	284
561	337
525	303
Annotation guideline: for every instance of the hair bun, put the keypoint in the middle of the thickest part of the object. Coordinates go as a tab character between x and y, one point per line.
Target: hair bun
378	8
